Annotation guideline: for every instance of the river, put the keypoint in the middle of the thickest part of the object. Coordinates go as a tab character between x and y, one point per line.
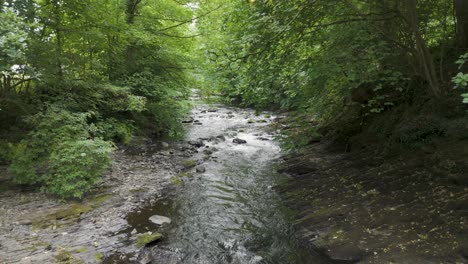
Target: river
230	213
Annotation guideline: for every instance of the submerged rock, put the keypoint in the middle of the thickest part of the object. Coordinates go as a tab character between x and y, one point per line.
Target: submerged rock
239	141
159	219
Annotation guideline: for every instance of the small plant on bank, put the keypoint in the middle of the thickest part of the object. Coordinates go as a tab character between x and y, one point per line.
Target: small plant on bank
461	79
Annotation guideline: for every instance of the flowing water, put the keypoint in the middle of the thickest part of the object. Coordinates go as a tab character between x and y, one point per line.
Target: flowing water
230	213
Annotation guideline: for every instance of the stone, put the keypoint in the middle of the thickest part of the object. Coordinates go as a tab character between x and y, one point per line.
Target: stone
212	110
188	120
239	141
25	222
196	143
200	169
164	144
159	219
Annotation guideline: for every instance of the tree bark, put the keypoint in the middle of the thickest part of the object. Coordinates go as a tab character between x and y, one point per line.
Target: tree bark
422	53
461	14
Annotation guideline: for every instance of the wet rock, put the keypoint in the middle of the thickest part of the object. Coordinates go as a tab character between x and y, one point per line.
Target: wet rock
187	120
239	141
212	110
263	138
196	143
346	253
223	138
200	169
164	145
159	219
207	152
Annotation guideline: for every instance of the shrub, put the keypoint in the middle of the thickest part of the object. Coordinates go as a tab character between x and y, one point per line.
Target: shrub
76	166
60	154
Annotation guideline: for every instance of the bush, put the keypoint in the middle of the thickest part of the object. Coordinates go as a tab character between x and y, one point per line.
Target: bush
60	154
76	166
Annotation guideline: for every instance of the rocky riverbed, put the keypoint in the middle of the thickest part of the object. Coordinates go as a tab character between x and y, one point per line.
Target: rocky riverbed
224	168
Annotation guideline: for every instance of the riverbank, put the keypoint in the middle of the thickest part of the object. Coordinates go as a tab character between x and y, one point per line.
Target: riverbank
35	228
406	208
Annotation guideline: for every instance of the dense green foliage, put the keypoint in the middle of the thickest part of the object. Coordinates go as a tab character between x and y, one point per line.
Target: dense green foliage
337	62
76	77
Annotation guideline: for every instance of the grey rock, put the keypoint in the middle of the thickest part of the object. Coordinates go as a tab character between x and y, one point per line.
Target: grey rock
25	222
196	143
159	219
200	169
207	152
239	141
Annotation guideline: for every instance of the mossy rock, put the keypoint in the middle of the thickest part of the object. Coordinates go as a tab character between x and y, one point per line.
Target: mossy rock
67	215
65	257
176	180
188	164
145	239
100	199
99	256
251	121
70	214
184	175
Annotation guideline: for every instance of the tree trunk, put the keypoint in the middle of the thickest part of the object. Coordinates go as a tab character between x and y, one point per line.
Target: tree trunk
422	53
461	14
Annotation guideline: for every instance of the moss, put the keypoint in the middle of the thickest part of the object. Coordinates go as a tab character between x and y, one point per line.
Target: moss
187	164
65	257
70	214
67	215
184	175
145	239
99	256
137	190
100	199
81	250
176	180
43	244
251	121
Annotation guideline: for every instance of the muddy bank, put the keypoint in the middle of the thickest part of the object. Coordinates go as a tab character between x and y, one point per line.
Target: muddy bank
411	208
